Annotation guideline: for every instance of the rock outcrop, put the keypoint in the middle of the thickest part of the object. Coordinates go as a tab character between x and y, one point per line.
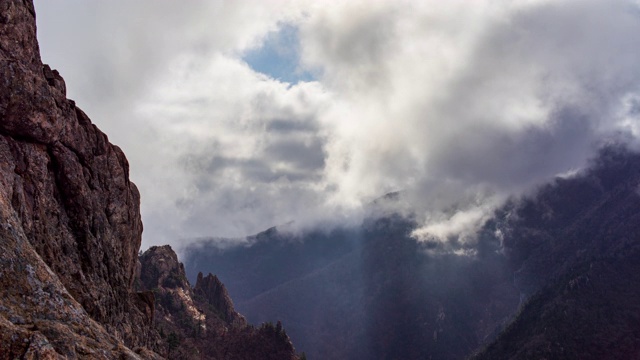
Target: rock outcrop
211	289
201	322
70	226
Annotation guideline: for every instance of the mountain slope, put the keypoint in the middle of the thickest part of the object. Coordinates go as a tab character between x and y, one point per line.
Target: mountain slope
201	322
384	296
577	247
554	275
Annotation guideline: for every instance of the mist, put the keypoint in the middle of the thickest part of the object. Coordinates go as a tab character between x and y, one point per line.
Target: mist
458	106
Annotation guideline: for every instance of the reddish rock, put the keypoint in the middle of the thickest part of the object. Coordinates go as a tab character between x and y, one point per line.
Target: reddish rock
201	322
69	216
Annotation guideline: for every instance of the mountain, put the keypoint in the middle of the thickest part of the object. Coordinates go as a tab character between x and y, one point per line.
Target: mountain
552	275
381	296
278	276
200	322
70	231
576	248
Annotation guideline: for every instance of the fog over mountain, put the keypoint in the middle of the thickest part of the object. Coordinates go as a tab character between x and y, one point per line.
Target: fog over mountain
553	275
237	116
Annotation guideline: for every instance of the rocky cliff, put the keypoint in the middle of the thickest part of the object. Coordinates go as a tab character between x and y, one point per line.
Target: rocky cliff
70	227
201	322
70	216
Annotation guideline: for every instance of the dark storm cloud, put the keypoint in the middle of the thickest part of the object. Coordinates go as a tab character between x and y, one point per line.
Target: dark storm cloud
306	156
497	157
250	170
285	126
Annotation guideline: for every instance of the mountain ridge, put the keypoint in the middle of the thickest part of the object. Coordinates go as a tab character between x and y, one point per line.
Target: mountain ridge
412	302
586	305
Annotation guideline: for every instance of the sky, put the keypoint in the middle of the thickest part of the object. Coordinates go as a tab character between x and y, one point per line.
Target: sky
240	115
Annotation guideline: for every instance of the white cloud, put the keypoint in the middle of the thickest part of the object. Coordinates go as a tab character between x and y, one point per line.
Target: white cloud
458	104
246	147
448	99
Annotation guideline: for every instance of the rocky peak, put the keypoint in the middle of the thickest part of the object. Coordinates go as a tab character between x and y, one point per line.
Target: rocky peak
160	268
211	290
164	275
54	79
201	322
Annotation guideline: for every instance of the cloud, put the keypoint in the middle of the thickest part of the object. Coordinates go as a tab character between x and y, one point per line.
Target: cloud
459	105
462	102
248	149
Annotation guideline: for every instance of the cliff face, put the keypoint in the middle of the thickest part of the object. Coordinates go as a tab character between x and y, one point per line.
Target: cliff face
70	216
201	322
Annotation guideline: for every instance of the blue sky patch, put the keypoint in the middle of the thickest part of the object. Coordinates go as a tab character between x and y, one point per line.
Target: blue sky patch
279	56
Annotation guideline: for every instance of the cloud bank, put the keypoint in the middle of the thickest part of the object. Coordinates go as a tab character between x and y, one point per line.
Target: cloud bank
458	105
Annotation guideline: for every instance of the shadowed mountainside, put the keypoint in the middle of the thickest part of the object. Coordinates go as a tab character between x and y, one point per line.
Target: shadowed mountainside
576	248
201	322
383	296
554	275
